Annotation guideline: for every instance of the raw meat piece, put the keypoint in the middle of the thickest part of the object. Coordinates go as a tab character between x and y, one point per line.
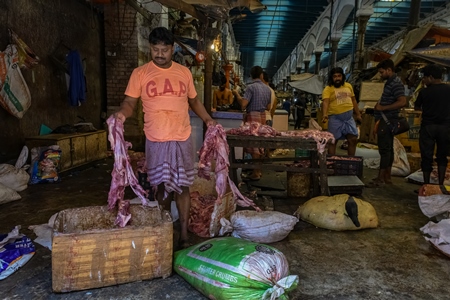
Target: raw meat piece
202	208
321	137
254	128
215	147
122	173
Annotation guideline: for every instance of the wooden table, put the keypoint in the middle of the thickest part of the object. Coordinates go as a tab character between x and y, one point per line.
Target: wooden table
318	160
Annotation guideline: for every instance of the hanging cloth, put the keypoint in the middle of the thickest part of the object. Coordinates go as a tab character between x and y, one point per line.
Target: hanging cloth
77	82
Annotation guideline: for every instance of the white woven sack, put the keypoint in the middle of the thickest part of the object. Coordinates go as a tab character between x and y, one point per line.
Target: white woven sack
259	227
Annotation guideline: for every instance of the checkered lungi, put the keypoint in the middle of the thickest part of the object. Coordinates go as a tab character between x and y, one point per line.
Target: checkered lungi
255	116
171	163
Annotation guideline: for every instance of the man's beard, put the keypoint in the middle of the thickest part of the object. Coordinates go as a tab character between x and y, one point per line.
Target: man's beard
338	83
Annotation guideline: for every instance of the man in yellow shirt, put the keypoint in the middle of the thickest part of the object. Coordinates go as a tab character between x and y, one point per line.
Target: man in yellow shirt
338	105
222	96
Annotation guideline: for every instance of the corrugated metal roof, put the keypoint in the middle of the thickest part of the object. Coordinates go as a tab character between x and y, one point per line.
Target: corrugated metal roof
269	37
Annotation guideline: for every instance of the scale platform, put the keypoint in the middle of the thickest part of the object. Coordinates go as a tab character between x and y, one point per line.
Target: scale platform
351	185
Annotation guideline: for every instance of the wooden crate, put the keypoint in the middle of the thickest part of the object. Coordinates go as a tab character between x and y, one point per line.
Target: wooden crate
89	251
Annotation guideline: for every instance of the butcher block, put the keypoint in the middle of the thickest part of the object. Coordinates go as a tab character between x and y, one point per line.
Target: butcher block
89	251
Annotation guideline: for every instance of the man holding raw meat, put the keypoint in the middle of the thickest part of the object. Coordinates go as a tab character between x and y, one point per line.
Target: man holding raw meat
256	100
166	90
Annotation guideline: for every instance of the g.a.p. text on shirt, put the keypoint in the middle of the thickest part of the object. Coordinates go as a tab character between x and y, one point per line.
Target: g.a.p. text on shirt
164	94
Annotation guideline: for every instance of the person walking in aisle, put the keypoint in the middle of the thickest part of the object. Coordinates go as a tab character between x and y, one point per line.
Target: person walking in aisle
338	106
392	99
435	127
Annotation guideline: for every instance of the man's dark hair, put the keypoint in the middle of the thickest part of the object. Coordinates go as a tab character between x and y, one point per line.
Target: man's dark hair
255	72
334	71
386	64
223	80
265	76
161	35
433	70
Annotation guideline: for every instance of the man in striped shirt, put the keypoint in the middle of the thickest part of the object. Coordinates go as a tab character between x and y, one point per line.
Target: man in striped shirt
392	99
256	100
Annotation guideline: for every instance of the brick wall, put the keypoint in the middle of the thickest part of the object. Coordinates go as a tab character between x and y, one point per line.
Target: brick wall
121	48
50	28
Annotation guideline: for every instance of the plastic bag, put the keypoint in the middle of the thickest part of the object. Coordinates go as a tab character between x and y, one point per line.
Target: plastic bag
314	125
230	268
15	96
438	234
434	200
17	250
400	166
45	166
259	227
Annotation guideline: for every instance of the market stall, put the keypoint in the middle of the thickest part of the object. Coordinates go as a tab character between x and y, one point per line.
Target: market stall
317	158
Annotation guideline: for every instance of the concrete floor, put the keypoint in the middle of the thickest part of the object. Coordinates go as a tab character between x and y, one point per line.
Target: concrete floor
392	261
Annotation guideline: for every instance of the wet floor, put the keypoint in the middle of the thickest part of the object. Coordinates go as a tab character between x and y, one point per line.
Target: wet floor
392	261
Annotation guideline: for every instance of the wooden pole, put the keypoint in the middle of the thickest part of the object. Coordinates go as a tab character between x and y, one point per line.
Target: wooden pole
208	82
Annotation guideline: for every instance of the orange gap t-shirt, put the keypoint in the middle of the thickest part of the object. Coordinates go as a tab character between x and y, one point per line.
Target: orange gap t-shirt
164	94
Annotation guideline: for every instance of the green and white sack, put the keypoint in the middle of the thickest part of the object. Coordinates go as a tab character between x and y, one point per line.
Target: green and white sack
229	268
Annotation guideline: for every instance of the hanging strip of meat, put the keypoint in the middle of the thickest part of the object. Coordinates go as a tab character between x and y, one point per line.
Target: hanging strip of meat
215	147
122	173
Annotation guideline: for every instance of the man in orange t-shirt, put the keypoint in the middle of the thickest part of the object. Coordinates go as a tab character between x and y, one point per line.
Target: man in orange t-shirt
166	90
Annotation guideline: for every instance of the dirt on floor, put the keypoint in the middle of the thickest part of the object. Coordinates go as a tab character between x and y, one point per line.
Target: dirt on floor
392	261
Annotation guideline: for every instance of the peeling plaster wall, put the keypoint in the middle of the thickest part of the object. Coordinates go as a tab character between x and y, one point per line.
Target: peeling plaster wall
45	26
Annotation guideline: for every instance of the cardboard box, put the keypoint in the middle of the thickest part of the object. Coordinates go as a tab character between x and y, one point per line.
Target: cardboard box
414	119
89	251
411	145
366	129
221	210
414	161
